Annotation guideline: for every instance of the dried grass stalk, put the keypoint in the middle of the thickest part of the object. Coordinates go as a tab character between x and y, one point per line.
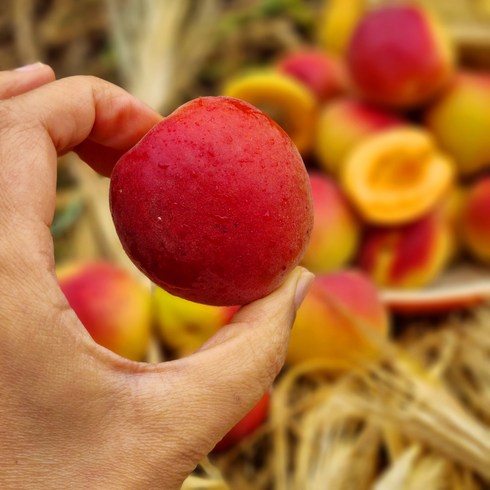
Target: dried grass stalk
415	470
161	45
25	39
212	480
337	451
424	411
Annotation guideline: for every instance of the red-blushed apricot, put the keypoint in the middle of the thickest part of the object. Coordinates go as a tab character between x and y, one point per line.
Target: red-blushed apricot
323	74
113	306
400	56
344	123
475	220
183	325
397	176
460	121
247	425
336	320
408	256
336	227
283	98
214	204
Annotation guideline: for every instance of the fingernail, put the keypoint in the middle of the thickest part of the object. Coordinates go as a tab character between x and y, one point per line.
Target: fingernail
31	67
302	286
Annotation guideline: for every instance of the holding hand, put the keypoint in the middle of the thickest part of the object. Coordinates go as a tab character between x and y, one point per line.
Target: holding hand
74	415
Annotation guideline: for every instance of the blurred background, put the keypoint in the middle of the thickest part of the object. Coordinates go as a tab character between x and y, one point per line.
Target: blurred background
402	401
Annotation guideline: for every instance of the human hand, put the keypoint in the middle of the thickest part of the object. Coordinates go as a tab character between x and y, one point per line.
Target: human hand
72	414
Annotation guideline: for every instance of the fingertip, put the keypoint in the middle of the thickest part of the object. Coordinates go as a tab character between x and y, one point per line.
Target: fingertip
24	79
303	284
287	297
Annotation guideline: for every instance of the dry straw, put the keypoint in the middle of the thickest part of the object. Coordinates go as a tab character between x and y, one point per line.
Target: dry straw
161	45
403	422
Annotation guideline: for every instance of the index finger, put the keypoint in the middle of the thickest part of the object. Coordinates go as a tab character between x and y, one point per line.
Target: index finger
89	115
48	121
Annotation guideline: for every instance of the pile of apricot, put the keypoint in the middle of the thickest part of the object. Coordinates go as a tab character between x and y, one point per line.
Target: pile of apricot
395	134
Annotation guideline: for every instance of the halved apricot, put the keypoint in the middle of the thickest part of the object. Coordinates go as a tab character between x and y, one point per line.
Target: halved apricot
287	101
396	176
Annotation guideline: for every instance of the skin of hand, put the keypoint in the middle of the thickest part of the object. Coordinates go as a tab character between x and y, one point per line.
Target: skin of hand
72	414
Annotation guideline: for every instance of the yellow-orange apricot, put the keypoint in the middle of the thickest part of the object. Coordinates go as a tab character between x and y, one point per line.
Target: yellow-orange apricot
338	321
283	98
342	125
396	176
183	325
460	121
333	217
451	211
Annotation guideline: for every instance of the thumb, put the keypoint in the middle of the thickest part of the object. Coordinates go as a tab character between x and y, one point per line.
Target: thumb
216	386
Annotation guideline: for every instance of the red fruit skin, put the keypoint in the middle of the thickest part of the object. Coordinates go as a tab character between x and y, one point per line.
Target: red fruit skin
247	425
214	204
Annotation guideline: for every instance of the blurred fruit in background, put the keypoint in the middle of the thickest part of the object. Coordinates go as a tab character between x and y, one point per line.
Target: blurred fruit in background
336	227
339	19
337	321
183	325
407	256
113	306
342	125
475	220
460	121
283	98
323	74
451	211
400	56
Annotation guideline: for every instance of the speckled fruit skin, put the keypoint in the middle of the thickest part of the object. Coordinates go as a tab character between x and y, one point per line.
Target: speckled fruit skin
214	204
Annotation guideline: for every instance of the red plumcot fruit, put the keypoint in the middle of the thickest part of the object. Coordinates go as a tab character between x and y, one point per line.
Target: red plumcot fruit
214	204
